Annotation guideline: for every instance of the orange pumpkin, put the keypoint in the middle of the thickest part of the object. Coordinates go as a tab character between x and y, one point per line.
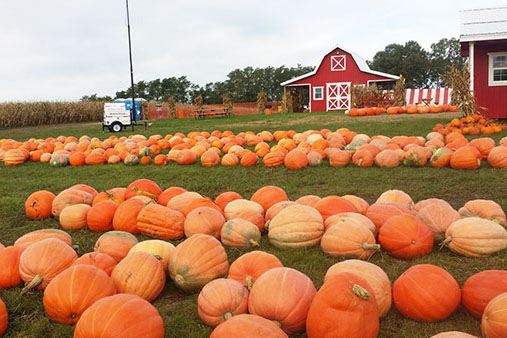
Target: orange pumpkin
44	260
274	159
141	274
181	201
249	267
349	238
201	202
115	244
466	157
210	158
387	159
269	195
144	187
220	300
295	160
28	239
256	326
438	216
345	306
480	288
426	292
494	322
229	160
224	198
116	195
240	233
125	217
100	260
95	158
309	200
379	213
332	205
372	274
486	209
9	261
38	205
169	193
247	210
197	261
406	237
107	318
68	197
204	220
441	158
100	216
160	222
249	159
70	293
289	311
74	216
484	145
84	187
362	158
497	157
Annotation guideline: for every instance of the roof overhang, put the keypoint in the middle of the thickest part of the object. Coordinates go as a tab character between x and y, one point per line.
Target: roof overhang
483	37
483	24
361	63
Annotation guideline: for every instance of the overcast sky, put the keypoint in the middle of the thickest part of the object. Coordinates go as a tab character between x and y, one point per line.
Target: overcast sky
64	49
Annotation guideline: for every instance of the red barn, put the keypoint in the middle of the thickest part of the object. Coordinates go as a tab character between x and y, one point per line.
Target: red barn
484	40
329	83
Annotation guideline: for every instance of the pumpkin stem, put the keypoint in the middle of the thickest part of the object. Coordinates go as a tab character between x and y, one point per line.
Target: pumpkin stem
33	284
445	242
277	323
33	204
249	283
227	315
361	292
179	279
254	243
368	246
158	257
266	225
360	162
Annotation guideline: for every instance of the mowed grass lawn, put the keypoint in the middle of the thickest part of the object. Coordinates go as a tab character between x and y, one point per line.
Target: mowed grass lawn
179	310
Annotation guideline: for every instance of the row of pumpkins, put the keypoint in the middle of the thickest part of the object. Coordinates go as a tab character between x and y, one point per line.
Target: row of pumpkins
475	124
83	294
408	109
292	149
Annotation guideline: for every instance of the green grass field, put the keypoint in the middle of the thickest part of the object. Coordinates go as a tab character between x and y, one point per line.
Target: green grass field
179	310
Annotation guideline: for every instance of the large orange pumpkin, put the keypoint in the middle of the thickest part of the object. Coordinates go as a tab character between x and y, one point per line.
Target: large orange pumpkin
486	209
256	326
162	250
245	209
240	233
221	299
144	187
121	315
276	208
43	261
160	222
274	159
210	158
283	295
494	318
28	239
484	145
204	220
169	193
387	159
438	216
466	157
349	239
115	244
181	201
362	158
9	261
229	160
406	237
74	216
332	205
86	188
497	157
125	217
249	267
309	200
453	334
296	159
68	197
4	318
339	158
201	202
140	274
480	288
116	195
70	293
379	213
302	220
396	196
350	217
426	292
345	306
100	216
197	261
269	195
38	205
371	273
224	198
100	260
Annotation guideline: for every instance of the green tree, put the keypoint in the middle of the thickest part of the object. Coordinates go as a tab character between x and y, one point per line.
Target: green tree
95	97
410	60
444	54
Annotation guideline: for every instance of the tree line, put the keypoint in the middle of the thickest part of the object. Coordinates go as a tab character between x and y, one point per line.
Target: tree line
421	69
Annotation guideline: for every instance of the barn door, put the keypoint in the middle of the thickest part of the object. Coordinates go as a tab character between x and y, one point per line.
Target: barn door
338	96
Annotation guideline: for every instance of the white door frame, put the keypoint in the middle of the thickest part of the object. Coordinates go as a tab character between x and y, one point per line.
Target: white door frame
335	100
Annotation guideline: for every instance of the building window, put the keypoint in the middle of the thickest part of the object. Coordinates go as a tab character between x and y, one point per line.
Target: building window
318	93
338	63
498	69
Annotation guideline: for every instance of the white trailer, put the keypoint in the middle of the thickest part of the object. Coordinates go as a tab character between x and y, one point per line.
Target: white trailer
117	114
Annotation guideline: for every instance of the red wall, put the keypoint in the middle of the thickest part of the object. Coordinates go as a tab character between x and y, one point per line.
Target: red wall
494	98
325	75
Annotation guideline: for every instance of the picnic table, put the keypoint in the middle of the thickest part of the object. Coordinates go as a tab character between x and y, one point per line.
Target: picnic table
203	113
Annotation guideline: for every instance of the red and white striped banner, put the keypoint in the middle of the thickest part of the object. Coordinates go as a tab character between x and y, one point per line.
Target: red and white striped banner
435	96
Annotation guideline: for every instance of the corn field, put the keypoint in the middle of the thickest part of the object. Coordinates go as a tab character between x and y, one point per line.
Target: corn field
23	114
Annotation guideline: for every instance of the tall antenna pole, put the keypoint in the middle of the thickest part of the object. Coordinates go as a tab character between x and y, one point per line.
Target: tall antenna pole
133	107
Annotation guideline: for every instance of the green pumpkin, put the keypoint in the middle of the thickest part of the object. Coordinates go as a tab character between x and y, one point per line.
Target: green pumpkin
59	160
145	151
414	158
131	160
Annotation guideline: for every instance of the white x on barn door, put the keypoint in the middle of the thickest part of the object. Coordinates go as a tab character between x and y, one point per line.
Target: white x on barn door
338	96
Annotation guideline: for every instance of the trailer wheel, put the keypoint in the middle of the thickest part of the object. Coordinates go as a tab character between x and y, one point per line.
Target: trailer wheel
116	127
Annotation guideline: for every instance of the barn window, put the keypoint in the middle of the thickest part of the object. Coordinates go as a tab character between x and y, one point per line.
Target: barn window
318	93
498	69
338	63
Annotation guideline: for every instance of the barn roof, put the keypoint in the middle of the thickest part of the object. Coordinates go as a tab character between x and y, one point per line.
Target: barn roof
361	63
483	24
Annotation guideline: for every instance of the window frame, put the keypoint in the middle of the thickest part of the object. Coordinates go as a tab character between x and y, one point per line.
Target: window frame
491	69
333	58
321	93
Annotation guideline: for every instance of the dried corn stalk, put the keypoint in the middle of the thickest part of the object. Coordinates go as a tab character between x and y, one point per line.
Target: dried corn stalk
458	79
399	92
198	104
172	107
261	102
227	102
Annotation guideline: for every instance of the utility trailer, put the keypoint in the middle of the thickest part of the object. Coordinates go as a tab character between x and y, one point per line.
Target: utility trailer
118	115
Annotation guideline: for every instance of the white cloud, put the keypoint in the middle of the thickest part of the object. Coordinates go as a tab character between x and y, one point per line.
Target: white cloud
62	50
